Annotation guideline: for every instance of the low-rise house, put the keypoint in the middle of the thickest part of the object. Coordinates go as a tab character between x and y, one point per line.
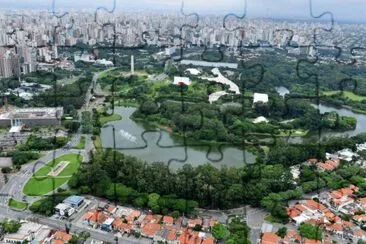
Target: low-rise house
310	241
111	209
208	240
140	219
117	223
362	203
123	211
64	209
150	229
336	228
60	237
126	228
350	208
168	220
94	218
359	219
107	224
193	222
74	201
346	155
161	235
270	238
28	232
359	235
134	215
292	236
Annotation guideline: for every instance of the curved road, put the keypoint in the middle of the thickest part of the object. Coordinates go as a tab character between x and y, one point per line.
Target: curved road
14	187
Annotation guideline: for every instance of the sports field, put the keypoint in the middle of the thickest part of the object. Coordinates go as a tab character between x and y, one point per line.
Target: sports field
42	183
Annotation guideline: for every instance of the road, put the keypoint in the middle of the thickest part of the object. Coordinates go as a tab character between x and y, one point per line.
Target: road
14	187
255	217
75	228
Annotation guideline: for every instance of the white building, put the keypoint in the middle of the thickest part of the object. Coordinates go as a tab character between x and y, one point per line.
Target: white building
260	97
260	119
179	80
169	51
64	210
193	71
28	232
104	62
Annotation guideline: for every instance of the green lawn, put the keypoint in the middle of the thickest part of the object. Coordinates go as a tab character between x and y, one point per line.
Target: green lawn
97	143
347	94
41	184
17	204
81	144
294	133
105	119
272	219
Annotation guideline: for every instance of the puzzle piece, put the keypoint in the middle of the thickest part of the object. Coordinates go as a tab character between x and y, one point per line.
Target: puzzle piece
233	23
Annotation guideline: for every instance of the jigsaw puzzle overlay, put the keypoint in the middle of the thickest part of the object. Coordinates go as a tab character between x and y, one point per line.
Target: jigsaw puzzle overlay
174	111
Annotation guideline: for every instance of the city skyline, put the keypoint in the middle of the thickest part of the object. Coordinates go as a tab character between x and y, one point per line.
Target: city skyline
350	11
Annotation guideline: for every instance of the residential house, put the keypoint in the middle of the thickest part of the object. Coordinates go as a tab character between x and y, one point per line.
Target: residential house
61	237
168	220
193	222
270	238
150	229
107	224
74	201
359	219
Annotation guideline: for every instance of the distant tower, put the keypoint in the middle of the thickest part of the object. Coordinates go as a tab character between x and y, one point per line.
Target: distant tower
55	51
6	103
132	65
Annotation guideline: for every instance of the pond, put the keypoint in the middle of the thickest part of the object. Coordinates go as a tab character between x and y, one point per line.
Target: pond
164	147
361	120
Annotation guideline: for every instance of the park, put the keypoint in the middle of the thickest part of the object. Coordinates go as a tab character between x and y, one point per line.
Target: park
52	175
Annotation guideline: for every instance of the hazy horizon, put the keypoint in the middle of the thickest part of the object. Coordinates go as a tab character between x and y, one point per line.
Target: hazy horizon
350	11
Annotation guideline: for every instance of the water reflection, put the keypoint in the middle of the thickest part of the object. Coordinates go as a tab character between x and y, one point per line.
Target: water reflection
153	145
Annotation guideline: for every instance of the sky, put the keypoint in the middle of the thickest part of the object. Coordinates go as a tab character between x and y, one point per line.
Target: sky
343	10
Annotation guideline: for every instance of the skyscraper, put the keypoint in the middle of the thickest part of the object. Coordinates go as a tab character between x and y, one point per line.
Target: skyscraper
132	65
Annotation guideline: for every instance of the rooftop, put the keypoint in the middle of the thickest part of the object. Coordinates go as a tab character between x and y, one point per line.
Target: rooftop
33	113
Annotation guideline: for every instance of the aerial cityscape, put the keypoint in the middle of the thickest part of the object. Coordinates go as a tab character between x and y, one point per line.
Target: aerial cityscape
188	122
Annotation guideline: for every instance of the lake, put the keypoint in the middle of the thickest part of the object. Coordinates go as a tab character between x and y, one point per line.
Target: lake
129	140
361	119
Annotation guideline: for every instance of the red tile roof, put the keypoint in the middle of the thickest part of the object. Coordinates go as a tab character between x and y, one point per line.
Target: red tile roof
117	222
208	240
150	229
270	238
313	204
309	241
63	236
172	235
168	220
193	222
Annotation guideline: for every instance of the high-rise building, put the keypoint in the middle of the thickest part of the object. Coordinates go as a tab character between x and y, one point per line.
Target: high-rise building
9	64
132	65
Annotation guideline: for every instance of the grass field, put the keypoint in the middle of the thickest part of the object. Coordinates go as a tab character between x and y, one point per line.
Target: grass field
41	184
105	119
347	94
97	143
294	133
81	144
17	204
